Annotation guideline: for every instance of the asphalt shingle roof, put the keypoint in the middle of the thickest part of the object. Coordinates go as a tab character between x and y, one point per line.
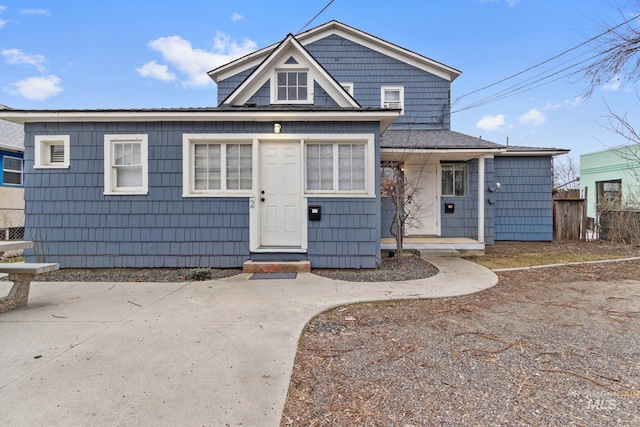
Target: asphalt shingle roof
432	139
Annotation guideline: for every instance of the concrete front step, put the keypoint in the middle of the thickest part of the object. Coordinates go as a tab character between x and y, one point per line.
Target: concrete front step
433	253
276	266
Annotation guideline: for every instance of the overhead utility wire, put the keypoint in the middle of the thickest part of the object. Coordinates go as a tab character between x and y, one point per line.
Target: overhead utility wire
318	14
547	60
523	86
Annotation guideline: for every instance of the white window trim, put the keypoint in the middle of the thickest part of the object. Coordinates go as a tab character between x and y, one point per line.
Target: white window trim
383	89
369	173
4	169
189	140
109	175
41	152
291	68
348	86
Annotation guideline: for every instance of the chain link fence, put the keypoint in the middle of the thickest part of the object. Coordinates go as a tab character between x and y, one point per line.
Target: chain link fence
11	224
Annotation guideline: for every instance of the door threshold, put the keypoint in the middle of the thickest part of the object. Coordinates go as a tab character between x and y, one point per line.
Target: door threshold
280	249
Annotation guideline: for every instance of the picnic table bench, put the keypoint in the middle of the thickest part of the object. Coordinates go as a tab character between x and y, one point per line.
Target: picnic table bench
22	274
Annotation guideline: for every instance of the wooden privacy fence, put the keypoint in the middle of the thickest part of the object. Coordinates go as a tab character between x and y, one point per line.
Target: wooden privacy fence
569	216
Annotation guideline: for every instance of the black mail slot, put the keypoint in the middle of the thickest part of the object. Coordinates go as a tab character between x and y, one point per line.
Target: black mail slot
449	207
315	213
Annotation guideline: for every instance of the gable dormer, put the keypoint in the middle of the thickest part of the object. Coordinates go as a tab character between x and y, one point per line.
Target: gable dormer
289	75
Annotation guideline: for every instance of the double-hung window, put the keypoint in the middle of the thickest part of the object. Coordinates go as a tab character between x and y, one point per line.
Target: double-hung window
125	164
336	168
392	97
454	179
216	167
11	170
51	151
291	86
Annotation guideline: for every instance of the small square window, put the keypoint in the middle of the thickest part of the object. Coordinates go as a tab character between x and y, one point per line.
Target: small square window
392	97
291	87
51	151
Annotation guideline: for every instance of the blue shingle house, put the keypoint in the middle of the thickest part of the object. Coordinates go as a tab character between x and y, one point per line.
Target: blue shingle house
286	167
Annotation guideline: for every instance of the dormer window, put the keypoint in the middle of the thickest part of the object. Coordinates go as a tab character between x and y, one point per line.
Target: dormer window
292	87
393	97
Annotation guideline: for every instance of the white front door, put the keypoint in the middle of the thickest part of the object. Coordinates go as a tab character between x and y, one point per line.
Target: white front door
425	218
280	195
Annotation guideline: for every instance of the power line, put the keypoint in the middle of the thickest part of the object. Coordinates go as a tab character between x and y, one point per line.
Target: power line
482	102
318	14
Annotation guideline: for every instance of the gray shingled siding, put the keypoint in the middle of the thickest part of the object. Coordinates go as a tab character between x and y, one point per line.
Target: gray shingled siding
225	87
464	221
524	208
73	223
348	236
426	96
388	212
263	95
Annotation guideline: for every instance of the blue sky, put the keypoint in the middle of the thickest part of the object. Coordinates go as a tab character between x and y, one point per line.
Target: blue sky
133	54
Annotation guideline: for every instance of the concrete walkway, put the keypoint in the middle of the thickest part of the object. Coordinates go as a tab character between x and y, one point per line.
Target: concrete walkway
217	353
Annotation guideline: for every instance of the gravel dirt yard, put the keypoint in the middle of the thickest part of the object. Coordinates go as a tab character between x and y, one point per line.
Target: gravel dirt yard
551	346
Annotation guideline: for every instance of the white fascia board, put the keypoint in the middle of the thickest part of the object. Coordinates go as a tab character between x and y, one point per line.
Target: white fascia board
349	33
542	153
290	46
384	117
496	151
386	48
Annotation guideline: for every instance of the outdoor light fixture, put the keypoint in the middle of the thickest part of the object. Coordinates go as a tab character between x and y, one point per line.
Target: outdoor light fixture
277	127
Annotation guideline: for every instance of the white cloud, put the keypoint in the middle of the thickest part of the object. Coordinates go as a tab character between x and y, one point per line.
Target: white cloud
235	17
551	106
3	23
16	56
194	62
533	117
156	71
613	84
491	123
36	88
36	12
573	103
512	3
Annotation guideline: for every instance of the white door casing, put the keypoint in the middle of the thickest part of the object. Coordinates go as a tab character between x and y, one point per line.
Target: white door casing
426	218
280	195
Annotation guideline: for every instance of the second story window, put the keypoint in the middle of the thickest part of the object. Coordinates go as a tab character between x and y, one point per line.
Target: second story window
292	87
392	97
12	170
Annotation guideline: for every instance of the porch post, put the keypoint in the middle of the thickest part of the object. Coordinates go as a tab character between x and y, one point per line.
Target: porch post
481	198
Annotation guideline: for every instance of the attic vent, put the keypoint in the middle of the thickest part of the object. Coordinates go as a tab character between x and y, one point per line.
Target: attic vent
291	60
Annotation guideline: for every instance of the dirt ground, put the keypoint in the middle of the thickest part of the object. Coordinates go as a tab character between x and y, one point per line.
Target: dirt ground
551	346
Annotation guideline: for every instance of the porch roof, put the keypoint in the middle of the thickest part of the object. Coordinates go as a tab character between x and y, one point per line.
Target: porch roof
435	139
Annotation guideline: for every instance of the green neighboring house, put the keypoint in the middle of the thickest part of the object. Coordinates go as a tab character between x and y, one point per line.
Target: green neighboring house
611	176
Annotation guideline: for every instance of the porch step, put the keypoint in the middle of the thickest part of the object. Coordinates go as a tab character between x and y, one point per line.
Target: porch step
442	253
276	266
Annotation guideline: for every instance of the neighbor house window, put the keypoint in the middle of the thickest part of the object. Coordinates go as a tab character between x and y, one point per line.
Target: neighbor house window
11	170
216	167
393	97
336	167
51	151
292	86
454	179
125	164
